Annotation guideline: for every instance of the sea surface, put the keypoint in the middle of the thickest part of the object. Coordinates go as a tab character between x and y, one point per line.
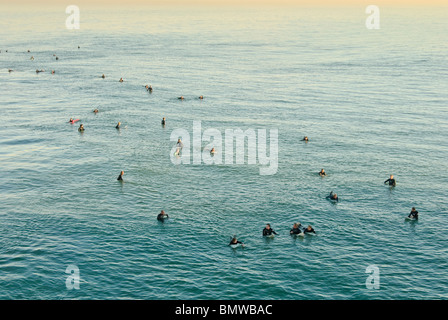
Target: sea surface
372	102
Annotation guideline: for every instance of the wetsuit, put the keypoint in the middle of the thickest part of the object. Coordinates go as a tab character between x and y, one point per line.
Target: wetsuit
235	242
81	129
163	122
413	214
268	232
117	127
391	182
162	216
322	173
309	231
295	231
120	177
331	197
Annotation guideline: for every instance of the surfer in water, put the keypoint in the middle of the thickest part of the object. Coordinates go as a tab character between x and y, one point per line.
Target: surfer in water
162	216
95	111
333	196
213	151
295	229
163	121
71	120
179	146
309	229
201	97
391	181
181	98
322	173
103	76
235	241
267	231
121	80
81	128
118	125
305	139
120	177
413	214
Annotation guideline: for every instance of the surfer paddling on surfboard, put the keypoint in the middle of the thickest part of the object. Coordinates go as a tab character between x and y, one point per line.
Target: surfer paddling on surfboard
234	242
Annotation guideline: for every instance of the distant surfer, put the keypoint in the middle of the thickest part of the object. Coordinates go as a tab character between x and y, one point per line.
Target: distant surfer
201	97
81	128
267	231
413	214
179	146
322	173
212	151
181	98
295	229
118	125
309	229
235	241
391	181
103	76
162	216
333	196
305	139
121	80
163	121
95	111
120	177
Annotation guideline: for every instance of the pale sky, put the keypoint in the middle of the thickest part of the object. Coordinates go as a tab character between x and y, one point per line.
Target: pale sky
403	3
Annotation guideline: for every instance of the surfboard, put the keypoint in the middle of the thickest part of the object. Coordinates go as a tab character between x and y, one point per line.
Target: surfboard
75	120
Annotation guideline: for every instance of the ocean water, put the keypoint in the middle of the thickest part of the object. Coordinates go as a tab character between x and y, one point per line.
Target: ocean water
372	102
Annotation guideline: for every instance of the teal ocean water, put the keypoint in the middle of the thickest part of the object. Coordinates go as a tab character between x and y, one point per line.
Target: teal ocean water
372	102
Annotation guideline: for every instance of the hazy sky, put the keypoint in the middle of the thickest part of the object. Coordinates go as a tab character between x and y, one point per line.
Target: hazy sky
229	2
